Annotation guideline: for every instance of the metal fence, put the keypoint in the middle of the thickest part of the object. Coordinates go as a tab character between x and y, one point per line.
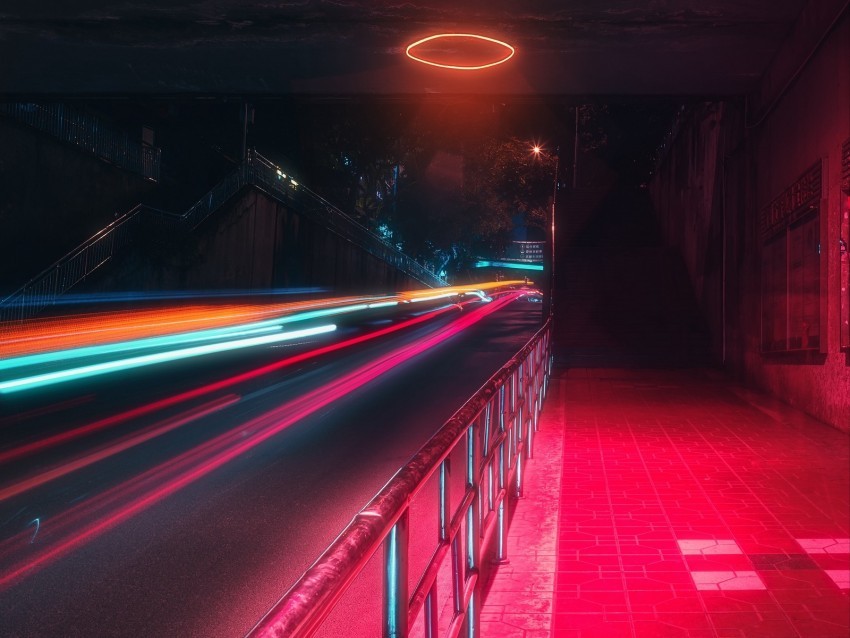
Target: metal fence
265	174
487	443
89	133
44	289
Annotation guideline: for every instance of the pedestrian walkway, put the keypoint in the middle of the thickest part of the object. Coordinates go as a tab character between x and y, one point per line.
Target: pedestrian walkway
673	503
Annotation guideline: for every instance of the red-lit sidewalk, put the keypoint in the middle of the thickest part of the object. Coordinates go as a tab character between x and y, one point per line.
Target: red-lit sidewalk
674	504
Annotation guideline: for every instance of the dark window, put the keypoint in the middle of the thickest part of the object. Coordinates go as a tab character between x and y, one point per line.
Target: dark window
791	287
844	245
774	294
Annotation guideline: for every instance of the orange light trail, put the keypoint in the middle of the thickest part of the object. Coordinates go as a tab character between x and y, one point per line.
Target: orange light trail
120	503
82	330
60	333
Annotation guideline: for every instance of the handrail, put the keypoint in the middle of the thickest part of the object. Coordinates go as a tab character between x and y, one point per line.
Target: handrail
89	133
495	430
266	174
43	289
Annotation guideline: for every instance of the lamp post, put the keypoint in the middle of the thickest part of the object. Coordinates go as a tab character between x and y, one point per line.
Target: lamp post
548	311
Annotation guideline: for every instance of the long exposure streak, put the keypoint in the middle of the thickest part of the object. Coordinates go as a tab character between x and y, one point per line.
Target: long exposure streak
95	369
63	437
75	331
116	447
190	466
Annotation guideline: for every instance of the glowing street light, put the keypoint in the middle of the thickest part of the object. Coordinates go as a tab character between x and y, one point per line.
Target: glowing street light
538	151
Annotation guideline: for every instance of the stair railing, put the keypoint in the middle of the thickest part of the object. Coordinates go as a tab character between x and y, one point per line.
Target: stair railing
42	290
89	133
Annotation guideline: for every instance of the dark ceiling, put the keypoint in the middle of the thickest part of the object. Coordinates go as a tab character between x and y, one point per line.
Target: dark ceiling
346	47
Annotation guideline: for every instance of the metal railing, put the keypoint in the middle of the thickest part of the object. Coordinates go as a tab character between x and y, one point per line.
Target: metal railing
488	441
263	173
89	133
43	289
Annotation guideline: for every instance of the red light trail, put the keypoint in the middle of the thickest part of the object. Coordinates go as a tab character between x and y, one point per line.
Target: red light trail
124	443
118	504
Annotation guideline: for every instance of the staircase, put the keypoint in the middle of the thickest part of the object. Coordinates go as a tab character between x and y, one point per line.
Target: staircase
89	133
622	298
143	221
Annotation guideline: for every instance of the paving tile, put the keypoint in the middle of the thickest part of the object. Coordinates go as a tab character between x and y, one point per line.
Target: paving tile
825	545
718	562
661	629
687	621
812	580
591	602
753	600
727	580
782	561
841	577
637	584
820	628
682	508
709	546
753	624
592	625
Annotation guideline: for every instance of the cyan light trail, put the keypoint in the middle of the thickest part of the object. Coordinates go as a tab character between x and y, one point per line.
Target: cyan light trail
71	374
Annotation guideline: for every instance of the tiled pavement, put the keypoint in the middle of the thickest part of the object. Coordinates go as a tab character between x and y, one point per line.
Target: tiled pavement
674	504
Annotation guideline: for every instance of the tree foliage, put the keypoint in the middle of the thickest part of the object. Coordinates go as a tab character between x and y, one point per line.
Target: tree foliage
379	164
504	178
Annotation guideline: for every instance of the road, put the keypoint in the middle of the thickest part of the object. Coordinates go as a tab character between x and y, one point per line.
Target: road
192	519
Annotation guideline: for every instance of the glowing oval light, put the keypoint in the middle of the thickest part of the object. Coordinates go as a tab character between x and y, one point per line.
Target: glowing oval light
460	67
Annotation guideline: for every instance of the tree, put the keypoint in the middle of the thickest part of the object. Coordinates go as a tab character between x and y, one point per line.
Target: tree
503	178
380	164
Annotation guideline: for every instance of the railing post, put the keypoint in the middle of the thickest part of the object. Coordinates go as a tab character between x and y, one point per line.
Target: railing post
504	468
396	597
527	381
473	532
431	611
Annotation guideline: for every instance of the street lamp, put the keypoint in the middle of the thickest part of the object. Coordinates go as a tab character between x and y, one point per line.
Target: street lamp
538	151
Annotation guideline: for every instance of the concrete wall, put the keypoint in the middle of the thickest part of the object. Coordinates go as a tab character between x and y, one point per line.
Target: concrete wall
254	242
719	175
54	197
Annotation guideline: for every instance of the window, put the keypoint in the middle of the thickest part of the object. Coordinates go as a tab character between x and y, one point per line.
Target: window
774	295
791	267
844	245
804	284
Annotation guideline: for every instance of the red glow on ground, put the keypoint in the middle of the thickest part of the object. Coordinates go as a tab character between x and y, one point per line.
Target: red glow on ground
678	507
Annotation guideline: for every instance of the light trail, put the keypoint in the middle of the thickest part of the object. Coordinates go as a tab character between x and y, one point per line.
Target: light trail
45	409
60	333
63	333
156	484
116	447
295	312
516	265
96	369
64	437
139	344
183	338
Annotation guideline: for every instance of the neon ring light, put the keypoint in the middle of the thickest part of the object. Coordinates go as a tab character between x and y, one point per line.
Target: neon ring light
509	51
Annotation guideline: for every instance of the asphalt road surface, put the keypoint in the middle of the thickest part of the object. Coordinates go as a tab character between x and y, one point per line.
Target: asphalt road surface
192	519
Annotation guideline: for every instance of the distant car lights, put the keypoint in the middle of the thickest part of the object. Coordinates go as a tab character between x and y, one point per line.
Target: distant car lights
459	51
